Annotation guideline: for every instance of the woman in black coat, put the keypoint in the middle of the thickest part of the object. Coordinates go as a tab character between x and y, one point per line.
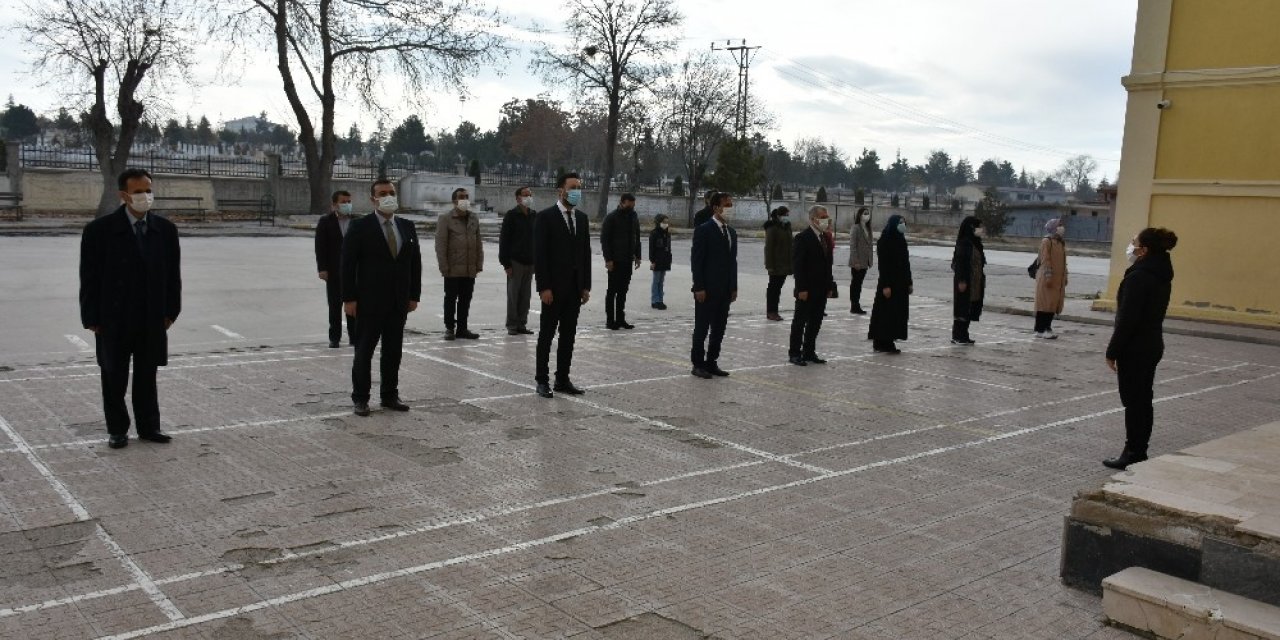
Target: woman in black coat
889	312
1137	343
659	259
970	279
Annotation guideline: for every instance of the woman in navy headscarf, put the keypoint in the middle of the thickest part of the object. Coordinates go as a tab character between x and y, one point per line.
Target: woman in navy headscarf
889	311
968	265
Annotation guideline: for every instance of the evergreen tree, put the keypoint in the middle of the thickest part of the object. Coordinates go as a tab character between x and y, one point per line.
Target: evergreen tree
822	195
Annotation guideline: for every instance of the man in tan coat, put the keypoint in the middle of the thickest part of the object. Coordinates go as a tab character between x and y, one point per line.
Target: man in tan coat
461	256
1051	278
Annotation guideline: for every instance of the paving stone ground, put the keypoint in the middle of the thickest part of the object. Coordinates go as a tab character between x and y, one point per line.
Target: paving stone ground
918	496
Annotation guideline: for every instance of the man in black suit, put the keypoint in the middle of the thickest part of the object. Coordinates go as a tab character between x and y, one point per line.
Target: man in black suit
620	244
130	294
329	233
714	262
515	254
381	285
811	264
562	273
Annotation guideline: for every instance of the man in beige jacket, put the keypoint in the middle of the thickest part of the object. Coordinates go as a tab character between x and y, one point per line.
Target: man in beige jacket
461	256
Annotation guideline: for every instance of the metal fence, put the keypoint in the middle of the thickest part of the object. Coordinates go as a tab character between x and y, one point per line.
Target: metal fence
153	160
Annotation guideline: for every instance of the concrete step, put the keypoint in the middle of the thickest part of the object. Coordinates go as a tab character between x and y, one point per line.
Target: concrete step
1153	603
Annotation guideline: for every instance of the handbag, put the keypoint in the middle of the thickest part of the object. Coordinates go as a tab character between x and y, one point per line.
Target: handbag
1034	268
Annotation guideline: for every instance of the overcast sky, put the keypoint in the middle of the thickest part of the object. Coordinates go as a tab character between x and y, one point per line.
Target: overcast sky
1031	82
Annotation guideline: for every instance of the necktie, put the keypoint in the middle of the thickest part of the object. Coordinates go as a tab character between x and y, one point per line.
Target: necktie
568	216
391	239
139	234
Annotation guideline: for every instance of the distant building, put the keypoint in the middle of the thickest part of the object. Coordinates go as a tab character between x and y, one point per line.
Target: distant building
973	192
249	124
1086	222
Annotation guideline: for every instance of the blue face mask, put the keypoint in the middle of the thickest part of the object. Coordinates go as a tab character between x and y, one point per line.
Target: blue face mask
573	197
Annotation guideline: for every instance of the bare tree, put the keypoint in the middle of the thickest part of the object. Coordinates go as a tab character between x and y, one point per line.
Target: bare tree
618	48
116	47
698	107
357	47
1076	174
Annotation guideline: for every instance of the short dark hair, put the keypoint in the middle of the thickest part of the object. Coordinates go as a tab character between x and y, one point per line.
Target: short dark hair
373	187
125	176
339	193
564	177
718	199
627	197
519	189
1158	239
453	197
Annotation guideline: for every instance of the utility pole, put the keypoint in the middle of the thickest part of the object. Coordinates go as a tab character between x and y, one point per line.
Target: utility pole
742	54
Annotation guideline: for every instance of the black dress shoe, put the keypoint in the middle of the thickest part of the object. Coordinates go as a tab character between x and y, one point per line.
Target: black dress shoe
334	344
448	334
513	332
797	361
467	335
544	390
395	405
361	409
565	386
155	436
715	370
626	325
662	306
813	357
1122	461
701	373
612	326
524	331
118	442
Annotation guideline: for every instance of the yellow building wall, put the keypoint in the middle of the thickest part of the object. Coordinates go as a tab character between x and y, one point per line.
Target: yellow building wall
1223	34
1220	133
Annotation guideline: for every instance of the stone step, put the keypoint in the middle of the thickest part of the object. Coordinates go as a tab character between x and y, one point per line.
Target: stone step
1167	607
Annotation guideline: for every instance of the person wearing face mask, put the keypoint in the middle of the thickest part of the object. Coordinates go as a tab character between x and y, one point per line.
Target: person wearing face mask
460	255
1137	342
515	253
891	310
562	275
130	294
620	244
659	259
330	231
714	263
814	284
777	259
968	265
861	256
1051	278
381	286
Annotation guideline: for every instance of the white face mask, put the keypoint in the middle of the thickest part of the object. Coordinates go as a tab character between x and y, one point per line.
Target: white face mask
388	204
1130	253
344	208
1062	231
141	202
978	232
902	228
463	205
526	201
822	223
665	226
726	212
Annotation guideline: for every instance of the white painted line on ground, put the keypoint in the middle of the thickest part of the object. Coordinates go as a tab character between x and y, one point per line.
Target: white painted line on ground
631	416
78	342
630	520
226	332
82	515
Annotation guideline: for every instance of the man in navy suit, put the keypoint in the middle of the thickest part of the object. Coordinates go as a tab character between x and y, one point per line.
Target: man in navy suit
714	262
130	294
811	263
562	274
381	285
330	230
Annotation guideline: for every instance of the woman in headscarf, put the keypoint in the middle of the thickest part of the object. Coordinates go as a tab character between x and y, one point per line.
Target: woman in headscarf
1137	344
860	258
777	258
889	312
659	259
1051	278
968	264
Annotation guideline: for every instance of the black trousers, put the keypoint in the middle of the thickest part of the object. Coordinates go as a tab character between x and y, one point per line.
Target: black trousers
146	400
855	287
709	317
562	315
1137	377
457	301
960	329
773	295
1044	321
333	289
615	298
805	325
387	328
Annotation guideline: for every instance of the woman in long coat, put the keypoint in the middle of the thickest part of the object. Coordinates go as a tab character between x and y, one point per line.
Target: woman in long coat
1051	278
860	258
777	258
968	264
1137	343
659	259
890	311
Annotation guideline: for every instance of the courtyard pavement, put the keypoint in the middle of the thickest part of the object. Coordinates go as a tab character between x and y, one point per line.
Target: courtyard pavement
916	496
